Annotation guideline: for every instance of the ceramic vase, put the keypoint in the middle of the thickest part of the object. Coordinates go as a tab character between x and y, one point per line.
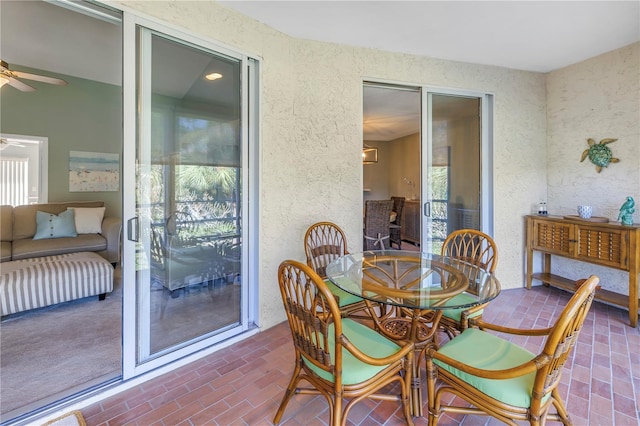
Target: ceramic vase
585	212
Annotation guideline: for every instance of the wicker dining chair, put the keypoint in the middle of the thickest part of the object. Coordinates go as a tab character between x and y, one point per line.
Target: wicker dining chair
502	379
376	224
340	358
479	249
323	243
395	228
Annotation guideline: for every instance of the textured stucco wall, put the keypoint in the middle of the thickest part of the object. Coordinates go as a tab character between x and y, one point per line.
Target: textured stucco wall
311	134
598	98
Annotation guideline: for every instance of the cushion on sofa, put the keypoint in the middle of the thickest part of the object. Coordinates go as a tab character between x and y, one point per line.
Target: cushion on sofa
5	251
26	248
24	217
49	225
6	223
6	232
88	219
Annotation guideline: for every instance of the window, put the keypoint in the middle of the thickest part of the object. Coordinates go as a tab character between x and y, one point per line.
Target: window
23	169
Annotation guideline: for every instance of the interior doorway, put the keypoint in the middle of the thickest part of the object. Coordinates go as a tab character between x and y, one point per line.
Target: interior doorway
432	150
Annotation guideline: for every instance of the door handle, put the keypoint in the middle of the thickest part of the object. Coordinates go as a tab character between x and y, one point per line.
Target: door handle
131	228
427	209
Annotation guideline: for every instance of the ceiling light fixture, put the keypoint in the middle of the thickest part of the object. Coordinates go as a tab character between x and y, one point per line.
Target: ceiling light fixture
3	80
213	76
369	155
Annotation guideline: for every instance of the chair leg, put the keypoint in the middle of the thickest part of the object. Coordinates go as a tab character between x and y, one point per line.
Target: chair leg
562	410
432	396
165	298
337	418
406	383
288	394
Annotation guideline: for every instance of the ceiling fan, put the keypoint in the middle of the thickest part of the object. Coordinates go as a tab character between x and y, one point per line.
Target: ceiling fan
11	78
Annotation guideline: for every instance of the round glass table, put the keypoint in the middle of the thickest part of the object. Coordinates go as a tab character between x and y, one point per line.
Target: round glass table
406	293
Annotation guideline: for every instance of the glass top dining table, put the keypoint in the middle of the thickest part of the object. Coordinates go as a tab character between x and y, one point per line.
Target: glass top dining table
417	287
413	280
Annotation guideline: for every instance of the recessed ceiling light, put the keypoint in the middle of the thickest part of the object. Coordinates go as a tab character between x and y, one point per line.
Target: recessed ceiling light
213	76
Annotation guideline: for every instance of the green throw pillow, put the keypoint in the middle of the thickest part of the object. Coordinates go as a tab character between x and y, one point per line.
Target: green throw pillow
55	226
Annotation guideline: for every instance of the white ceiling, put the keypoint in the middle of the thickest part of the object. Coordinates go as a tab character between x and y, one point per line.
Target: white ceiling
527	35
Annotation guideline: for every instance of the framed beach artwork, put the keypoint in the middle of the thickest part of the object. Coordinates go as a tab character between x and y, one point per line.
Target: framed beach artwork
93	171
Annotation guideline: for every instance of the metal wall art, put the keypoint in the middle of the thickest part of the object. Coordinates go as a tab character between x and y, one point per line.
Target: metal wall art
599	153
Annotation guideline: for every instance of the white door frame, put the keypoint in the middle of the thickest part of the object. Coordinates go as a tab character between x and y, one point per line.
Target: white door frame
486	154
249	143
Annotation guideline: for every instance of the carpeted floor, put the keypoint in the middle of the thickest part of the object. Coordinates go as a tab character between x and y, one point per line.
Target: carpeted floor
54	350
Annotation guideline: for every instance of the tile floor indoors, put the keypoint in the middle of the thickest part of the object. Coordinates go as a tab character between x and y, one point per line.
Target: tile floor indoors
243	384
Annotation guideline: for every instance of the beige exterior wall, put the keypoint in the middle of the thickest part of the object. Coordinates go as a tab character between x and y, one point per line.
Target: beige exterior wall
598	98
311	134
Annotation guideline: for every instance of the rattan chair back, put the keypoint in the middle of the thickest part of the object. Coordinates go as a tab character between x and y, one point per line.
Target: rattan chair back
475	248
310	309
472	246
563	338
376	224
323	243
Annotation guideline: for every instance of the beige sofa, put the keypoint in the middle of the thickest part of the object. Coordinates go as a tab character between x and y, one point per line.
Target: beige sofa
18	227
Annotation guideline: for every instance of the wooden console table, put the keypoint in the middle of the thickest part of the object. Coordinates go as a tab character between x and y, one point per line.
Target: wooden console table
606	244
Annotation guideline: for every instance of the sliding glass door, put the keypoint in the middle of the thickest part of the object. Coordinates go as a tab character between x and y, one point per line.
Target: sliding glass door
434	150
456	194
187	233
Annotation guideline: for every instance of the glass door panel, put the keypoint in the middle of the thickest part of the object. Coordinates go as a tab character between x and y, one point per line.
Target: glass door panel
189	197
438	170
451	165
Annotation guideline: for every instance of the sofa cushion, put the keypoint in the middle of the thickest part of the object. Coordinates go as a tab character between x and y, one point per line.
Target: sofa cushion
24	217
5	251
49	225
6	223
26	248
6	232
88	219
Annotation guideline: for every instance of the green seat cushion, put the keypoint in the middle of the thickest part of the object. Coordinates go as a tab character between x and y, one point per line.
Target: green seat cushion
344	298
368	341
460	299
489	352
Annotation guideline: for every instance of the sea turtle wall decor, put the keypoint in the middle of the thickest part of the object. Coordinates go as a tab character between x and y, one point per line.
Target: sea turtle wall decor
599	153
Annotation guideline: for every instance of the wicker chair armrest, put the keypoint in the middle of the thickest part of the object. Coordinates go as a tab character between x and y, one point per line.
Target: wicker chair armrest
403	352
472	310
478	322
509	373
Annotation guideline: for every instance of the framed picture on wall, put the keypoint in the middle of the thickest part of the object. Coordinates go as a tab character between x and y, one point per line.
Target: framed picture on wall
93	171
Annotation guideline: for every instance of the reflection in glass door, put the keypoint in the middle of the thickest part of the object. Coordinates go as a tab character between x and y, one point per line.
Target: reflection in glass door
452	170
189	204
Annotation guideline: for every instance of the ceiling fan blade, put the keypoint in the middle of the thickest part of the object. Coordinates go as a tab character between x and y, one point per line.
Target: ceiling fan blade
41	78
19	85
